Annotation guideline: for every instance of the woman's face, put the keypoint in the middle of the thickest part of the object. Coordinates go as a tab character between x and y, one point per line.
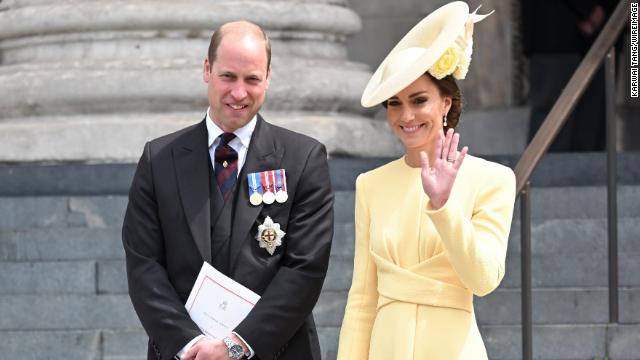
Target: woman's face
415	113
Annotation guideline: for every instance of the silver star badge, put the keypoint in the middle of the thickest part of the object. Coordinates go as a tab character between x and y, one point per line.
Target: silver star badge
269	235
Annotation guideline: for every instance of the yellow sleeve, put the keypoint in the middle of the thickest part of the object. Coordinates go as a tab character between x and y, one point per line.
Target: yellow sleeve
477	247
360	311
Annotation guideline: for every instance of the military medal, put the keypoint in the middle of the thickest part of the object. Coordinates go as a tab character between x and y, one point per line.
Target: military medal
255	196
269	235
281	193
268	196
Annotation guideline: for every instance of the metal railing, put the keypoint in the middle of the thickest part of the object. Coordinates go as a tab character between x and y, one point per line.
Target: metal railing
602	49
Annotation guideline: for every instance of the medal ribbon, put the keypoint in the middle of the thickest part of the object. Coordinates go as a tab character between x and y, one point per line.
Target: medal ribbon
273	180
253	184
265	178
279	176
284	180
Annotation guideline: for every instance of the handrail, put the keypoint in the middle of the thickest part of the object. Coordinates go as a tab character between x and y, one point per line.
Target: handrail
570	96
612	184
555	120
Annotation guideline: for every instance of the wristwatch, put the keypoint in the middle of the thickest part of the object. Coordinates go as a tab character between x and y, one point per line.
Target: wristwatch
235	350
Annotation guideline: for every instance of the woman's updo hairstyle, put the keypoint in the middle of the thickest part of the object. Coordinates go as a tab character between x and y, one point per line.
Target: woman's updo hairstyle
449	87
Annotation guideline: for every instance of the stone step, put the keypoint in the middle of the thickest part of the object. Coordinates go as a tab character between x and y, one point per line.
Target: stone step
105	281
555	169
36	345
502	307
43	228
576	202
585	341
121	344
92	260
564	251
43	278
18	213
81	243
503	342
574	252
64	312
550	342
558	306
81	303
55	244
63	277
83	260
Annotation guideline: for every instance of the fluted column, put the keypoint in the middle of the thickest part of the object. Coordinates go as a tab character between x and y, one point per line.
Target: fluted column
88	80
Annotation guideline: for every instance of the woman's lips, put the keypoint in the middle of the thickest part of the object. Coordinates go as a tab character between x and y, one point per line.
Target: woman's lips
411	129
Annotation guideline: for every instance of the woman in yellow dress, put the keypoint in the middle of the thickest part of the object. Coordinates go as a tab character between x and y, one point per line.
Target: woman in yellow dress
432	226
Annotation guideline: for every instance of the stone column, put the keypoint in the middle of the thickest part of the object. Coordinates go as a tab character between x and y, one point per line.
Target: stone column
91	81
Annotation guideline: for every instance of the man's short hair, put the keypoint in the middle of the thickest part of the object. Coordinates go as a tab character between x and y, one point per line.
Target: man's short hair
217	36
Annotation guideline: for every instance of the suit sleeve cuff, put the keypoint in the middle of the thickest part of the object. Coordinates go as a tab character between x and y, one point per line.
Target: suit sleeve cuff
188	346
251	353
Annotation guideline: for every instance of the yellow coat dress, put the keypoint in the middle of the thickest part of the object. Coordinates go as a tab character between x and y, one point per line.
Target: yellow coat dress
416	270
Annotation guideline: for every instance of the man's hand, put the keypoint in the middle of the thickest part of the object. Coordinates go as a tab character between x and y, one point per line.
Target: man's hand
207	349
592	25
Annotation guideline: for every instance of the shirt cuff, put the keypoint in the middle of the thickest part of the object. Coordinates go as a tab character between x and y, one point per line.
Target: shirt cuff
188	346
251	353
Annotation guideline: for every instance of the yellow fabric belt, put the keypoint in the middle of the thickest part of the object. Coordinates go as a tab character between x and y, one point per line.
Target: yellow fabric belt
399	284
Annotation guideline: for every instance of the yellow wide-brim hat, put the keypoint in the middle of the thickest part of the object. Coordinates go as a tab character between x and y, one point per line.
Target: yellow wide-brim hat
441	44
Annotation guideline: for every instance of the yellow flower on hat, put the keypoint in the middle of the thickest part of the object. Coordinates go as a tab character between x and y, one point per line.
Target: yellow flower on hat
440	44
446	64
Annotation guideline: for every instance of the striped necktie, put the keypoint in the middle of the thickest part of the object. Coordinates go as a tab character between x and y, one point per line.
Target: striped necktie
226	165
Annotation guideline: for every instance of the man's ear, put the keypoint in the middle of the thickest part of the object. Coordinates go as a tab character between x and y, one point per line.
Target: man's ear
206	70
268	78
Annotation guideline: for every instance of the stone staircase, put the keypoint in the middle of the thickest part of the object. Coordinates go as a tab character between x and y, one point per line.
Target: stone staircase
63	292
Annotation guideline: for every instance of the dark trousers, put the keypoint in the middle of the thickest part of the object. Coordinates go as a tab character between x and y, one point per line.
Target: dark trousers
585	127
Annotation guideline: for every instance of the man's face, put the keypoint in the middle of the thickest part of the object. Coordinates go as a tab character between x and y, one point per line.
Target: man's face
237	80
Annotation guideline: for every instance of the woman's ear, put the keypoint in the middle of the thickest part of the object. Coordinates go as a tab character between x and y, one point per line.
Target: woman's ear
447	104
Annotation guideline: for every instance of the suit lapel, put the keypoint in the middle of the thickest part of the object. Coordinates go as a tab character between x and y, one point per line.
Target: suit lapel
193	185
263	155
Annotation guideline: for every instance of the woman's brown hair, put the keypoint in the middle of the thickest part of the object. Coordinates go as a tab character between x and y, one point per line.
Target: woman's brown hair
449	87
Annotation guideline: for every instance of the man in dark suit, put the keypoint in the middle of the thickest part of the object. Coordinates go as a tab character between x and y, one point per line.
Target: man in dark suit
189	203
556	36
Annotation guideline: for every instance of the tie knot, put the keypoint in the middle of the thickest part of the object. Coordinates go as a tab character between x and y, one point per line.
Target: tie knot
226	137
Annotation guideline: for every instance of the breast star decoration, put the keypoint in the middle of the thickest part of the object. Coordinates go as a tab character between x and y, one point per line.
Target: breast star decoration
269	235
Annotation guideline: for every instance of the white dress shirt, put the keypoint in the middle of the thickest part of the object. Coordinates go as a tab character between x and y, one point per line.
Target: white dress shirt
241	145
